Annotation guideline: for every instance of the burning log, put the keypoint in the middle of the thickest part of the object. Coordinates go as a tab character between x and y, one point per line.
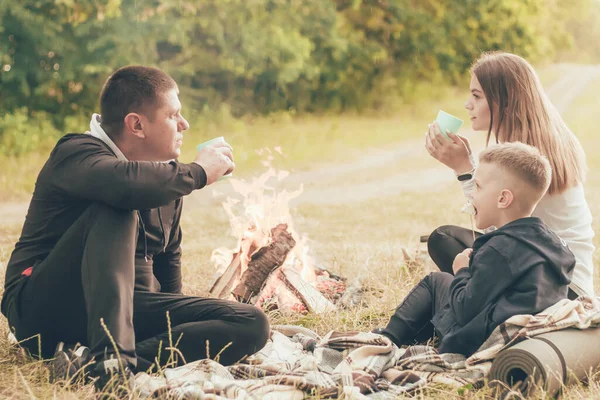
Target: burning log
262	262
286	290
306	292
266	279
272	268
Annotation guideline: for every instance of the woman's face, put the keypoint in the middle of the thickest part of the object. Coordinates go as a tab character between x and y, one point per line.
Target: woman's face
477	105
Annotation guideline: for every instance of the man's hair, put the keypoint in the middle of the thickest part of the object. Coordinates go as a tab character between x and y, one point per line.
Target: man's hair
522	161
131	89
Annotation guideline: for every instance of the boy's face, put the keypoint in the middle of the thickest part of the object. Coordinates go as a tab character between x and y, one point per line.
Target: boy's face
485	197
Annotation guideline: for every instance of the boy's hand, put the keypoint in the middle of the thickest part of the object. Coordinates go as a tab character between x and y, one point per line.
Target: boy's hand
462	260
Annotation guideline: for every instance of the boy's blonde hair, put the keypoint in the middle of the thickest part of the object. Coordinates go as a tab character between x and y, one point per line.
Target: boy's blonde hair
522	161
521	112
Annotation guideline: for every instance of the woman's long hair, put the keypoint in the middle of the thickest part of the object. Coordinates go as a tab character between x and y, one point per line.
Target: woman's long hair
521	112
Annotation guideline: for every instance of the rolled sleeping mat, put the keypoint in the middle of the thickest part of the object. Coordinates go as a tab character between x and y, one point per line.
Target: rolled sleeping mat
548	361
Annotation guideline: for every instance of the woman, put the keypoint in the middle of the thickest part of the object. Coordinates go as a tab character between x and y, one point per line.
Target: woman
507	100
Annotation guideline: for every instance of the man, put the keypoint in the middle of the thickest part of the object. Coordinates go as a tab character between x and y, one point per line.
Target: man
99	258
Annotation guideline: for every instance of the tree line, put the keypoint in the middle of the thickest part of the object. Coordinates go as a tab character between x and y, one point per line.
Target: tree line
260	56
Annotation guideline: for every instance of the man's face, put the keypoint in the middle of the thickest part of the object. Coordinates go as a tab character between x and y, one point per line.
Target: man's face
488	189
164	129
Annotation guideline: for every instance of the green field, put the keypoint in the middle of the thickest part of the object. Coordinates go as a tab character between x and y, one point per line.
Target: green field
356	239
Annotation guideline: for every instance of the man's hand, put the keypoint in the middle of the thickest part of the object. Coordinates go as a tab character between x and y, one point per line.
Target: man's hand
462	260
216	159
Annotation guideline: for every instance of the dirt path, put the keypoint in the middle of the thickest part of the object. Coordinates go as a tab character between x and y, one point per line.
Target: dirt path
572	83
379	173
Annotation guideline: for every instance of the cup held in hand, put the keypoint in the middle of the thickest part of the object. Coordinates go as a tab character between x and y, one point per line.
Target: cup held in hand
209	142
448	122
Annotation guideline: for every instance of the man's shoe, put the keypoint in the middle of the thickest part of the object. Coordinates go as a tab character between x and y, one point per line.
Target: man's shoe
378	331
113	376
68	361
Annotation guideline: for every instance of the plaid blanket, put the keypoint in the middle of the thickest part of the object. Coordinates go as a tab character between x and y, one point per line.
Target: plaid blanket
297	363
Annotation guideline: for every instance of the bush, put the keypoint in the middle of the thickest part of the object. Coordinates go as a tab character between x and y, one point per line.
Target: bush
22	132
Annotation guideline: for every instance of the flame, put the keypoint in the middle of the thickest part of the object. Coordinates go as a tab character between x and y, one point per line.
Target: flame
303	262
257	207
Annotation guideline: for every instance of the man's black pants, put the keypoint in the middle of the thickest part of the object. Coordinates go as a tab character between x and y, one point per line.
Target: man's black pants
447	241
89	277
411	322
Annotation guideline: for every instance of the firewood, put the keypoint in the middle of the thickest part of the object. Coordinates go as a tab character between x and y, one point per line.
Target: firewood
264	261
307	293
222	286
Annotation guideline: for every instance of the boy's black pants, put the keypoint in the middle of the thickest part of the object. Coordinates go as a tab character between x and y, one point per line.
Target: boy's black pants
89	277
411	322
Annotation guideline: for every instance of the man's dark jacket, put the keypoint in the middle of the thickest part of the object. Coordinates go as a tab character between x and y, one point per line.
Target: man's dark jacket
521	268
82	170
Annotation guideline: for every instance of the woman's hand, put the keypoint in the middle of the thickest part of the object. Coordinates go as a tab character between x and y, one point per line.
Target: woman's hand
453	153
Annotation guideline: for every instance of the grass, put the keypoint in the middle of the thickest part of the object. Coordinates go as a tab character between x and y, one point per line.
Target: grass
362	239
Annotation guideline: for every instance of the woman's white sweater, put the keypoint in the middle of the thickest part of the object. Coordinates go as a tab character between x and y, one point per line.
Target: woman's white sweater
569	216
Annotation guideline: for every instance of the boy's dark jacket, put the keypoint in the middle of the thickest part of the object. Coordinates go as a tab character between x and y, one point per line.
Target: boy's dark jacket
82	170
521	268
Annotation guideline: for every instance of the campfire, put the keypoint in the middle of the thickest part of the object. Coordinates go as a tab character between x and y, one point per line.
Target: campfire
271	267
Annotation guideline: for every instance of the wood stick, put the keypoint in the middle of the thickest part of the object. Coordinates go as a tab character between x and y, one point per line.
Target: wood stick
264	261
222	286
307	293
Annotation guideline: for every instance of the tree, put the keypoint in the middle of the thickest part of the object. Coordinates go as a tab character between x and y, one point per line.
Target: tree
259	56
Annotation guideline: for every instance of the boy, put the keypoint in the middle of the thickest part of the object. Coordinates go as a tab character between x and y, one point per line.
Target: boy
520	268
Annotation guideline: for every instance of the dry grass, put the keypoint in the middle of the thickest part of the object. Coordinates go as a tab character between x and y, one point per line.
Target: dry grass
361	240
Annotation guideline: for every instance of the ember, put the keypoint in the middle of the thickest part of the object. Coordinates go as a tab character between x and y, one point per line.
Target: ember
271	267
